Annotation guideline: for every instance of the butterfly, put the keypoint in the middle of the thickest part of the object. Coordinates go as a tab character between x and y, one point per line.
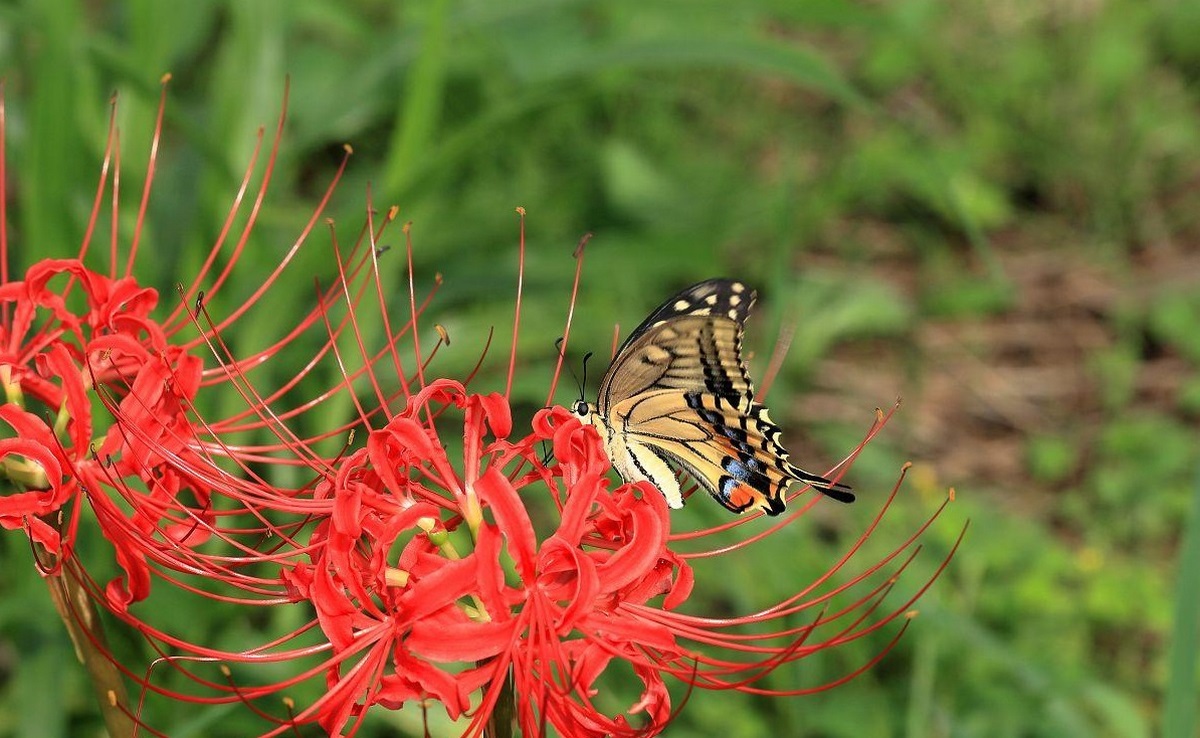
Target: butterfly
678	393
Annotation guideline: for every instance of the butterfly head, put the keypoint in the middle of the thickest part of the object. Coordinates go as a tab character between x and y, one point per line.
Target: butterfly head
585	411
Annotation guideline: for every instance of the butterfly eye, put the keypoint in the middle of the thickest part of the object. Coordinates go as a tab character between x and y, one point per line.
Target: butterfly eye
581	409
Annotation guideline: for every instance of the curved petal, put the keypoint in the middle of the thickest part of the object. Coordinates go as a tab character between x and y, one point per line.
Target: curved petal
461	641
512	519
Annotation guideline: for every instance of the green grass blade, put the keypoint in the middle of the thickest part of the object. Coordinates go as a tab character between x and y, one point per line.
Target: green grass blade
1179	710
421	105
50	164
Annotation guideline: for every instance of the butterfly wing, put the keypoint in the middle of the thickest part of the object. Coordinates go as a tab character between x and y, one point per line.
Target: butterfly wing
727	297
679	391
691	342
691	353
728	445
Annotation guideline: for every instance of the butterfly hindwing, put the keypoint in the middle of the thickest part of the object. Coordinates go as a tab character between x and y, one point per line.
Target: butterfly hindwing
726	444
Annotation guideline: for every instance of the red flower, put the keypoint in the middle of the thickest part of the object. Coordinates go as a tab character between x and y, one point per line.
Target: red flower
48	486
68	335
55	367
434	622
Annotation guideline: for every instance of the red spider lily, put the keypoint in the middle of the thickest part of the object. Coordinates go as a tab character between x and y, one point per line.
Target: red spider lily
110	342
468	579
161	480
437	623
69	334
410	616
602	586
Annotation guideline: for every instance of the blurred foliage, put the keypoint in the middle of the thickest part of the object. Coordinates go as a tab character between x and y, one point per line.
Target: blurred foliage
868	165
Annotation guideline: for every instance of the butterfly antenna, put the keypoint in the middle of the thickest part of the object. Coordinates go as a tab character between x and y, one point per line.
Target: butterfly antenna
547	453
582	385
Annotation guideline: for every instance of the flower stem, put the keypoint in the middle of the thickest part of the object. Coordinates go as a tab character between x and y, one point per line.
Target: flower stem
504	716
83	624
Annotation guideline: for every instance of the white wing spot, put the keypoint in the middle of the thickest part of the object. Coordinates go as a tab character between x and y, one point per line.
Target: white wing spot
681	305
702	311
735	300
733	314
710	300
737	287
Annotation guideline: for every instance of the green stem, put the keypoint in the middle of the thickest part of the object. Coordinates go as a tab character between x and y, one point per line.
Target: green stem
82	620
504	716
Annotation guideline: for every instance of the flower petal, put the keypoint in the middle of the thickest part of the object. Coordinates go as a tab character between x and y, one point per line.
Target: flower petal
460	641
512	519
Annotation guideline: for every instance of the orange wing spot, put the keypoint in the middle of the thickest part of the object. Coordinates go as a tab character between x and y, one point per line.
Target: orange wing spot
744	497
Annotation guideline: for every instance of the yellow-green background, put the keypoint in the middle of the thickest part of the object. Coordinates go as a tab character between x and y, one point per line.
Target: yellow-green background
988	208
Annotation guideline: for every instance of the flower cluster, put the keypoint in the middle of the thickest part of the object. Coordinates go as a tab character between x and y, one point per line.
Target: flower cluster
54	357
425	619
441	551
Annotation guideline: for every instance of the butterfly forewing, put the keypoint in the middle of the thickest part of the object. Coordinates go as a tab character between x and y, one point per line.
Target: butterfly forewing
715	297
688	353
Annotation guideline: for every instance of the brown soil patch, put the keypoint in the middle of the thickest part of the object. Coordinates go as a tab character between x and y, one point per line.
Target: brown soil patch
983	385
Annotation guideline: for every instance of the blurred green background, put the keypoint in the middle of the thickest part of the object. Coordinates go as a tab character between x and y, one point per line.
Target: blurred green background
990	209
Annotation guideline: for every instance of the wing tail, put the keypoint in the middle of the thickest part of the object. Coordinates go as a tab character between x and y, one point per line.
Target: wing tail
833	490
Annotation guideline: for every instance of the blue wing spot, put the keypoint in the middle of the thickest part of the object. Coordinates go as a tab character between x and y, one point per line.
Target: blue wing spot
734	434
736	468
747	471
